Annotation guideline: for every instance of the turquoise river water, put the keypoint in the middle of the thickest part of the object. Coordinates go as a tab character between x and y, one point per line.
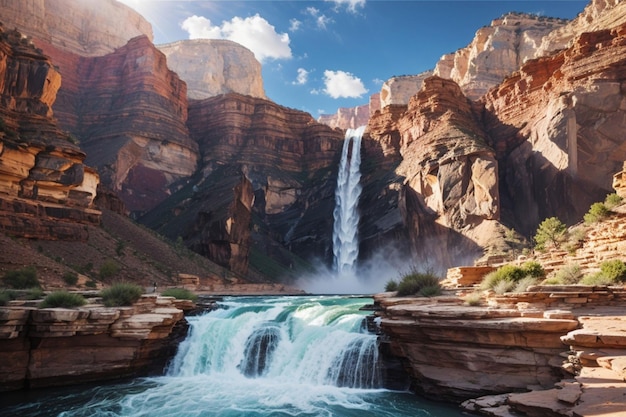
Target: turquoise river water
255	357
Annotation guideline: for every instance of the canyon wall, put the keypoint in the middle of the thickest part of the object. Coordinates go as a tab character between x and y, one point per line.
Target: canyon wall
211	67
46	191
289	162
86	28
128	110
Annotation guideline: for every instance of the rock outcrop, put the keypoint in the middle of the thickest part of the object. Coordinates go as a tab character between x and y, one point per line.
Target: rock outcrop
86	28
352	117
496	51
55	346
211	67
399	90
128	109
46	191
555	126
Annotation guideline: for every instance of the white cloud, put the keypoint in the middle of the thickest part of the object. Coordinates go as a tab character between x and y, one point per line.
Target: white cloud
341	84
350	4
302	78
294	25
255	33
322	21
312	11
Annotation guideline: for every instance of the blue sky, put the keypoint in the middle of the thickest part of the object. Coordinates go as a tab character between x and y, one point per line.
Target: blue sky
318	56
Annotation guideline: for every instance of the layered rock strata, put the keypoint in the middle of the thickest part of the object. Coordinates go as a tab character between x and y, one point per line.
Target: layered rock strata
128	110
211	67
46	191
288	160
555	128
446	174
455	352
53	347
496	51
86	28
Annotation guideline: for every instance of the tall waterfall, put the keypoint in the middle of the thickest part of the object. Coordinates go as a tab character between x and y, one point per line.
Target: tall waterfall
346	214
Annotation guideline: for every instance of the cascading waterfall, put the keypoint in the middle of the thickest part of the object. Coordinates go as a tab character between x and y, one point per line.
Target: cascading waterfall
304	342
257	357
346	215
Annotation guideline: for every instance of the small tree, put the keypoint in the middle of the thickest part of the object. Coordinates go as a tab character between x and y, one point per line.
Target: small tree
551	232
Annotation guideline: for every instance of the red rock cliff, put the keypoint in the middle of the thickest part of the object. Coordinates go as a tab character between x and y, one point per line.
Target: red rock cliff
45	189
129	112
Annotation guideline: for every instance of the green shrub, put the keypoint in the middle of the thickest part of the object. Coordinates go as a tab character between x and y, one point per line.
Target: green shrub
180	294
70	278
552	281
597	212
473	298
119	249
6	296
506	278
597	278
63	299
108	269
414	282
34	293
569	274
91	284
612	200
22	278
614	270
533	269
550	233
431	290
503	286
391	286
523	284
121	294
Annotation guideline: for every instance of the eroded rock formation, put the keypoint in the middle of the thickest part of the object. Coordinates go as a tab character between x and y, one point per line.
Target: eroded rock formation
55	347
352	117
45	189
215	66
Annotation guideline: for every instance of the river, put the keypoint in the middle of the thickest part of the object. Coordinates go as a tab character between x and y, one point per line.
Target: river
254	357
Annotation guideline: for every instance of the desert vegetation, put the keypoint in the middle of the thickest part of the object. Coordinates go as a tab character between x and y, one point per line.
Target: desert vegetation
414	282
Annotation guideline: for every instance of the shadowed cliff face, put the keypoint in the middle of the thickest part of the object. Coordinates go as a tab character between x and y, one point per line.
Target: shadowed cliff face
45	189
556	126
129	112
284	165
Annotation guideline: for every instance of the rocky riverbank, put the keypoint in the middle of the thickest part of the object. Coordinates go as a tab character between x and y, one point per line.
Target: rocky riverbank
57	346
551	351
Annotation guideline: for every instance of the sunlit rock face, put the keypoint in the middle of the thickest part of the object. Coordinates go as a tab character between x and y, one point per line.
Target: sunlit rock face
398	90
446	176
45	189
598	15
215	66
496	51
88	28
556	126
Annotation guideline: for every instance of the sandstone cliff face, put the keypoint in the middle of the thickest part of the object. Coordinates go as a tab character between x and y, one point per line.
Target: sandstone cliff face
45	189
129	112
495	52
86	28
398	90
288	160
447	176
556	126
215	66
